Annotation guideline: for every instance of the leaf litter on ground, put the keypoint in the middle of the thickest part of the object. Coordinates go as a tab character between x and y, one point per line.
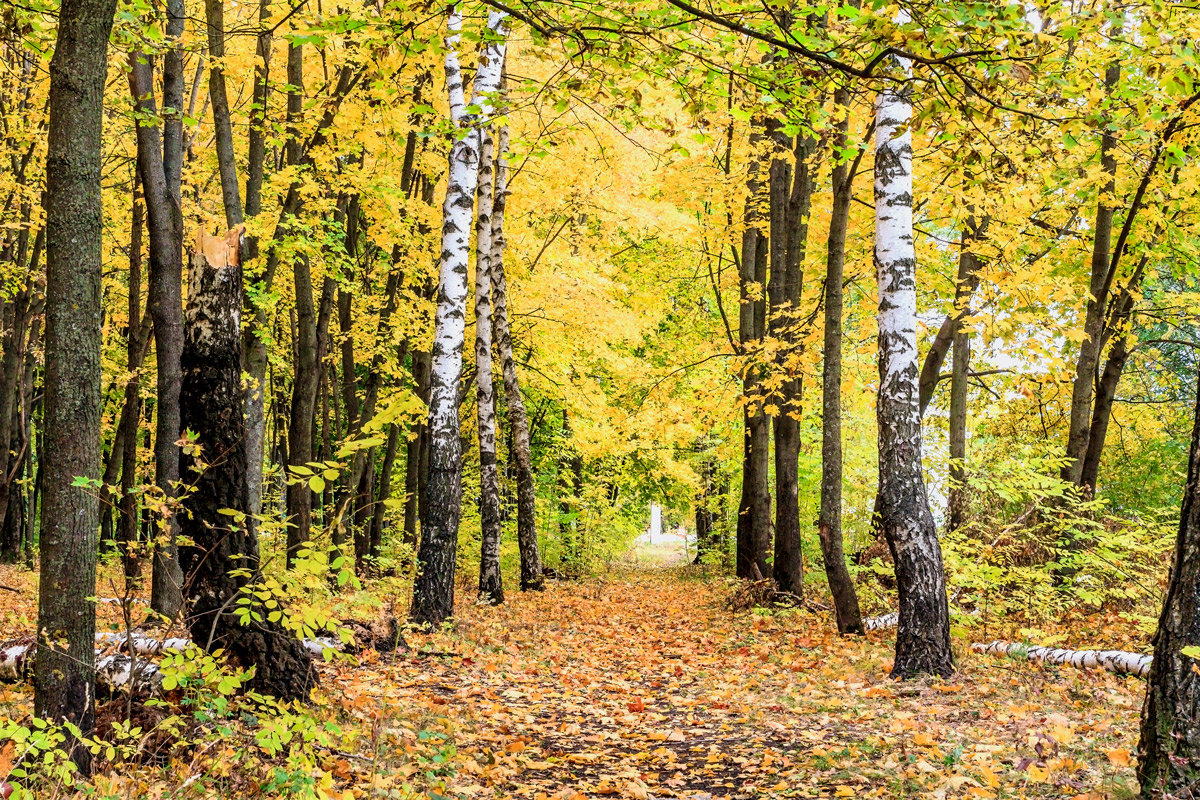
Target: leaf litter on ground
643	684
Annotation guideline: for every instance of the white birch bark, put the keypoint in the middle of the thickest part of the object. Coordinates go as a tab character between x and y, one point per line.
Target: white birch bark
923	636
491	585
1118	661
433	593
114	669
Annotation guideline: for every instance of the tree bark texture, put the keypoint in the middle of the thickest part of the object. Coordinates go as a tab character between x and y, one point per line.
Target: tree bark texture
222	559
754	509
165	225
923	633
532	578
829	523
433	592
64	683
491	584
1169	750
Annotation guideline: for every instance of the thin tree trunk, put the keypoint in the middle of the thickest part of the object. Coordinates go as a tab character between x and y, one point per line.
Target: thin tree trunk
255	346
923	634
166	309
829	523
139	333
956	510
754	511
491	584
433	592
1110	377
64	683
1093	325
303	411
385	490
789	230
968	278
222	560
532	578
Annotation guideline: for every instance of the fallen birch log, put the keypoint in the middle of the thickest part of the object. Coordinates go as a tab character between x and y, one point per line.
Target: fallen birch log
116	669
893	619
880	623
1117	661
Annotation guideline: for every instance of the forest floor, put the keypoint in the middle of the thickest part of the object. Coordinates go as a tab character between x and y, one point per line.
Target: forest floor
643	684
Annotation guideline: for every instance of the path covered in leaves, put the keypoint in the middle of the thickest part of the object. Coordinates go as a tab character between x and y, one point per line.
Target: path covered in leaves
646	686
643	684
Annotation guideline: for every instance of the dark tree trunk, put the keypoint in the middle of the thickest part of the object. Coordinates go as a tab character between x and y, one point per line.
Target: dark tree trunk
10	390
956	511
1093	324
1169	751
789	232
165	304
222	560
968	279
829	523
706	534
754	510
1110	376
385	490
139	334
64	682
305	383
416	450
570	489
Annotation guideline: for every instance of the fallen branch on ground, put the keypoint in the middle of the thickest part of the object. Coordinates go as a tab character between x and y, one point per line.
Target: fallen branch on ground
114	669
1117	661
879	623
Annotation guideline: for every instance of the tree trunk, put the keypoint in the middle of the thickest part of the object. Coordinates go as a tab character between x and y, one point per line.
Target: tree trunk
1169	751
706	536
570	491
305	383
968	279
1106	387
532	578
64	683
10	390
139	333
385	490
754	510
433	591
416	452
829	523
1093	324
166	310
789	233
923	635
222	560
491	584
956	511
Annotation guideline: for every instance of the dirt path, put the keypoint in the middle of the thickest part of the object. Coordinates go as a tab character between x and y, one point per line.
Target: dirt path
645	687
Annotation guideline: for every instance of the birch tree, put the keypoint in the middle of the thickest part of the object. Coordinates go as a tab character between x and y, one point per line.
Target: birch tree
491	585
923	635
433	592
518	420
